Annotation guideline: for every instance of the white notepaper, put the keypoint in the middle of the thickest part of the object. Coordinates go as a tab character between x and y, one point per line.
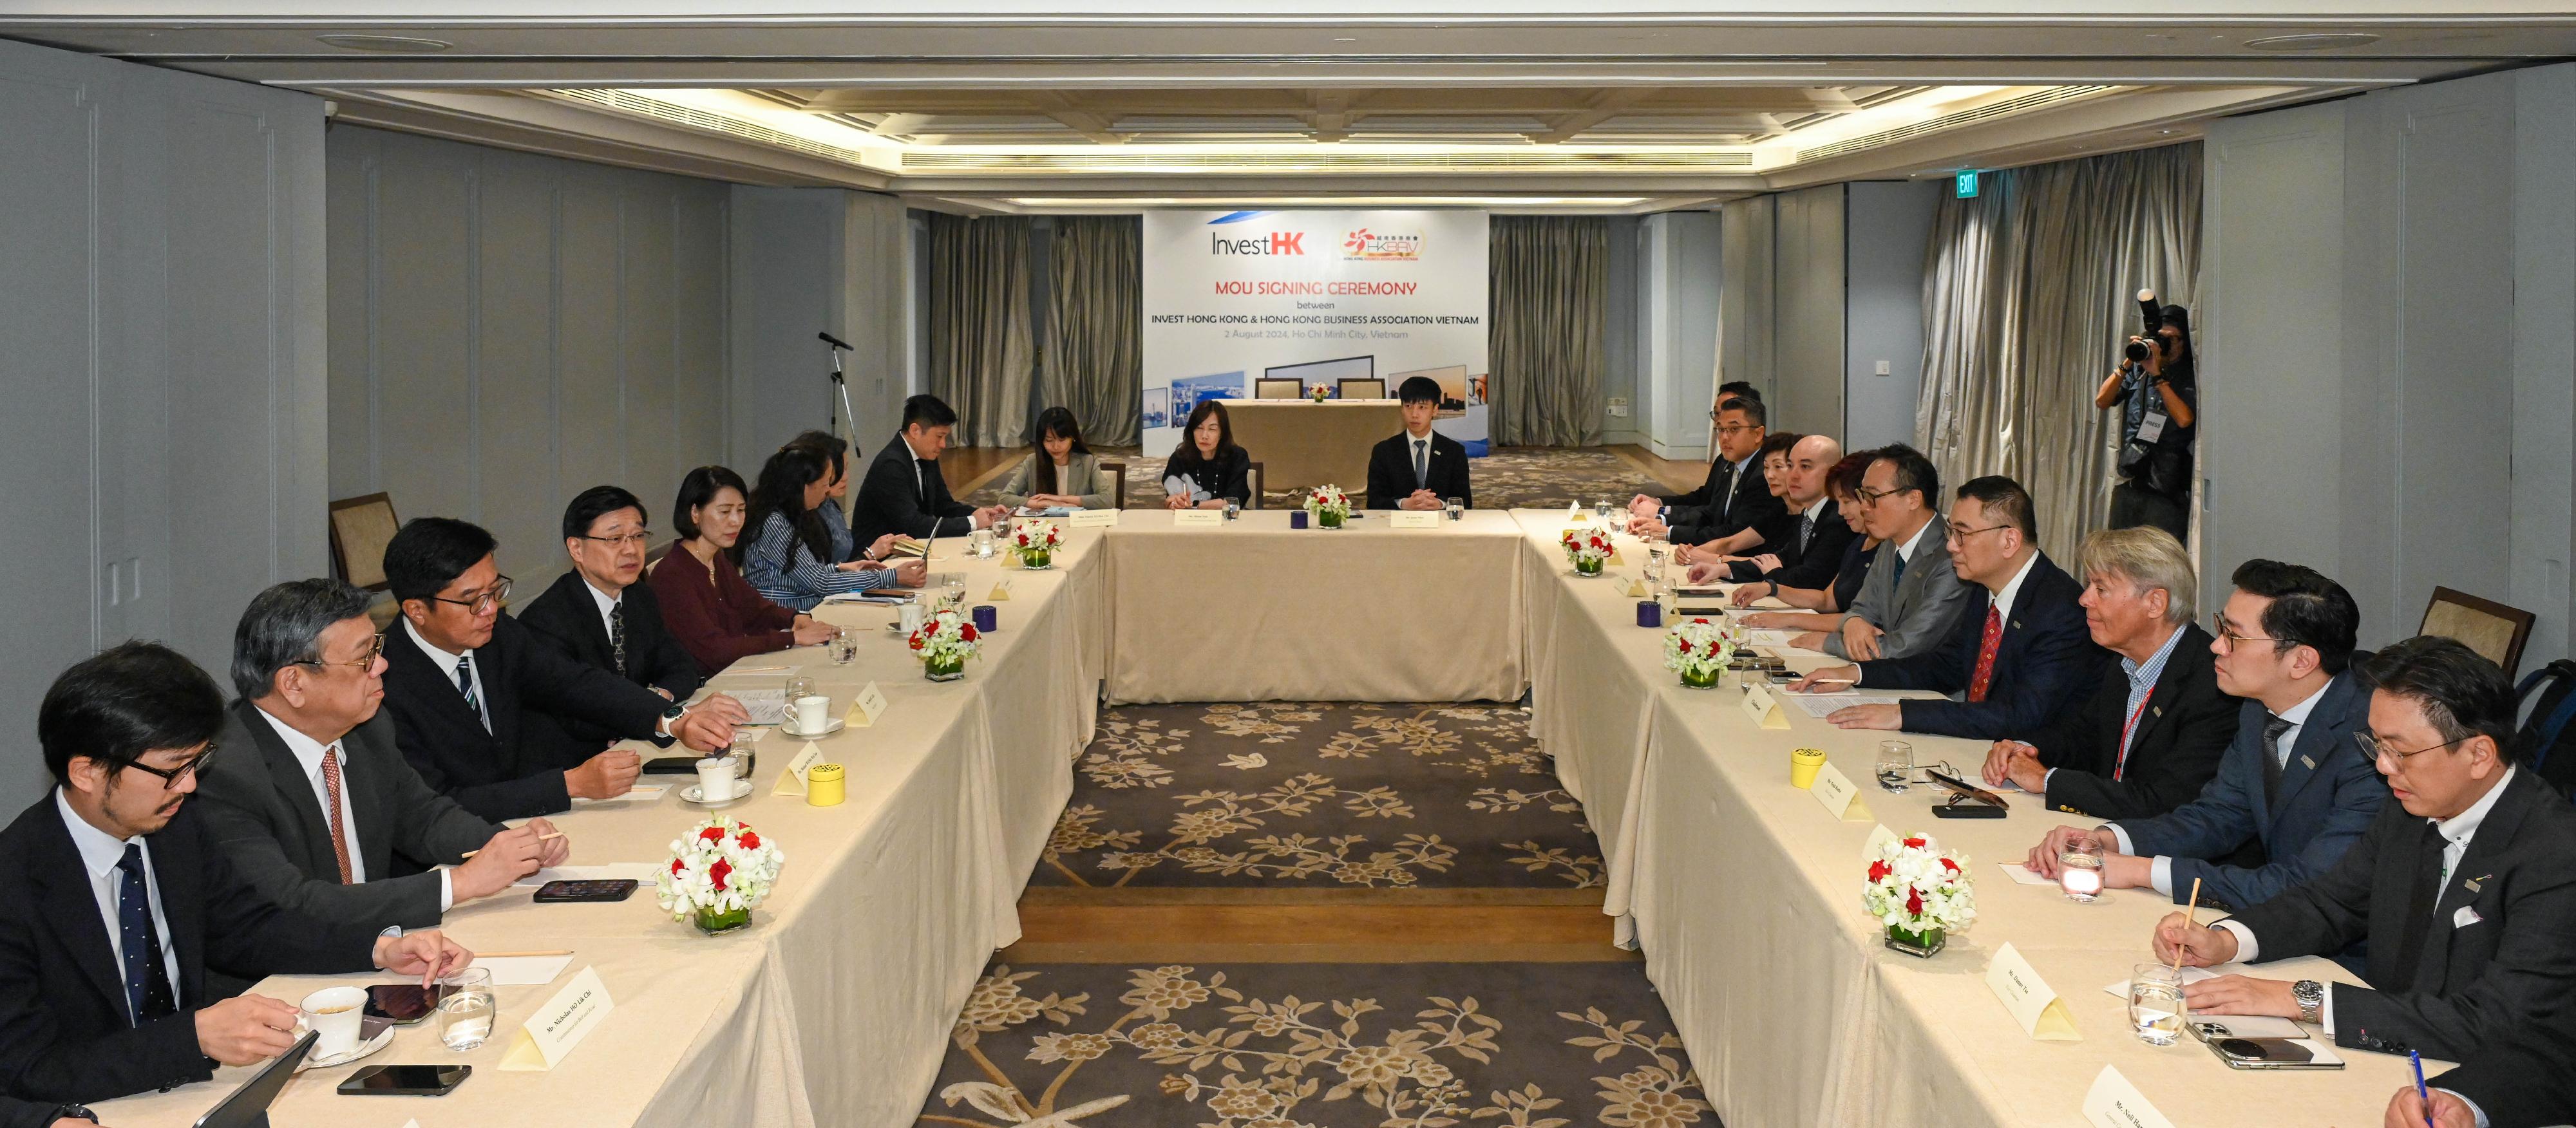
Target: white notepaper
2024	875
523	971
1821	705
645	873
640	793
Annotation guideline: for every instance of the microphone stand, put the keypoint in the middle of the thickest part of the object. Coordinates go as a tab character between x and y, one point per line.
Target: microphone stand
840	400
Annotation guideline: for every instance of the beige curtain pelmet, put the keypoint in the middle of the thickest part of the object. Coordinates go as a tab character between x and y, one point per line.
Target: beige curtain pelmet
1548	306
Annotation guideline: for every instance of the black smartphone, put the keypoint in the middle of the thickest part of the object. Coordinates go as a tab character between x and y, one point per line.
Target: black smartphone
399	1003
405	1080
574	892
1966	811
671	765
2261	1053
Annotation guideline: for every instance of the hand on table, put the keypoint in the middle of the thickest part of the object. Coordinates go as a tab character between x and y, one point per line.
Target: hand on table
1808	640
1176	501
1765	563
985	517
1643	506
1868	717
506	857
604	776
1760	620
1860	639
426	954
247	1029
2406	1110
1827	679
2043	857
878	548
1687	553
2240	994
2016	763
1647	528
912	573
2201	945
1420	500
707	730
810	630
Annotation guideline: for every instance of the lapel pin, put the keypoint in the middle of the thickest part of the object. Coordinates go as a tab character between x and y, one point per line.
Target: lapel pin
2473	883
2310	761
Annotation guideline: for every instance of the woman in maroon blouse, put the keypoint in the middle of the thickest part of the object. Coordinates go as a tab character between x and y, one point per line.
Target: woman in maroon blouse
705	601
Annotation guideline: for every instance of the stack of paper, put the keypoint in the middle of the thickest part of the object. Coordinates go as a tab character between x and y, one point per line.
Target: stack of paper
1824	704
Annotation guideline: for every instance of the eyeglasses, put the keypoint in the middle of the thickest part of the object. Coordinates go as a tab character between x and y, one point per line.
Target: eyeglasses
1957	533
2373	748
1730	430
629	540
1868	496
363	663
170	777
489	599
2218	626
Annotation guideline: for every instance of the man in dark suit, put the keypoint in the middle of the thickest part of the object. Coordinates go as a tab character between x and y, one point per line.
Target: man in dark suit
2294	789
122	901
1808	525
2465	886
2151	735
601	615
1420	468
903	493
2019	654
1733	498
313	802
459	674
1911	594
2526	1081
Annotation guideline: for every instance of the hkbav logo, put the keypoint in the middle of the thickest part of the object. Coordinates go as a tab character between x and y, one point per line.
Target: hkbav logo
1367	245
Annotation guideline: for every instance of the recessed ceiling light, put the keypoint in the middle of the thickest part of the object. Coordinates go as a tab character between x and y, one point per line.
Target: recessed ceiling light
2312	41
1346	40
386	44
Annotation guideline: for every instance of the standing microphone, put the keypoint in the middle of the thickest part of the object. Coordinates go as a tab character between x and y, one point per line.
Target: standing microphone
835	342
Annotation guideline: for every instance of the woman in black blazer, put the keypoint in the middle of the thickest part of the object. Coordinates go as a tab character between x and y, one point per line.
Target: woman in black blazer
1207	470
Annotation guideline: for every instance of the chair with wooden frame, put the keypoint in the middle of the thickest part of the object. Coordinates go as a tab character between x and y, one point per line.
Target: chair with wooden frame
2495	631
1252	477
1113	481
1278	388
360	529
1360	388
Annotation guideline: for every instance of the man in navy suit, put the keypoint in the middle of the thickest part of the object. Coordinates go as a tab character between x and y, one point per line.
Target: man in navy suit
2295	784
1421	468
2018	655
1734	497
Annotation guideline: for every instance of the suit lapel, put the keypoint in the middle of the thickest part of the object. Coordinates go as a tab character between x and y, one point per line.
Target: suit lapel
2318	739
72	909
2478	863
294	788
450	702
175	874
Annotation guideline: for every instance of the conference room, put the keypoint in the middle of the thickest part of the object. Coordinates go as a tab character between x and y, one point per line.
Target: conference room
778	565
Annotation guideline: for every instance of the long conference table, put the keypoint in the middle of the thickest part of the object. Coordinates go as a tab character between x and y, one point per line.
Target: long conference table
834	1008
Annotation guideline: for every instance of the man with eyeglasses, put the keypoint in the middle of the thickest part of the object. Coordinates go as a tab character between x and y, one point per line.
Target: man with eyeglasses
602	615
315	805
1733	499
459	676
122	903
2464	887
1911	595
2294	789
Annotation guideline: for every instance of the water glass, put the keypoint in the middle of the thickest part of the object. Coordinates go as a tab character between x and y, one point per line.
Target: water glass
1457	507
982	542
1233	509
1655	568
1601	509
1895	764
465	1008
798	686
2155	1004
952	589
843	647
2079	871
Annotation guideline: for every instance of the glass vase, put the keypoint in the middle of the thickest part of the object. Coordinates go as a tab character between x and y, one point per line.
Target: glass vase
1700	680
1037	560
939	671
1591	568
1327	519
711	922
1924	944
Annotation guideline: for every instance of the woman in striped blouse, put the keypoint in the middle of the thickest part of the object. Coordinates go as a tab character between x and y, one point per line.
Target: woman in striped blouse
788	559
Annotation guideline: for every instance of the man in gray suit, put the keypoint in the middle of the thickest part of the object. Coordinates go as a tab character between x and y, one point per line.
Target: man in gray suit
314	804
1911	595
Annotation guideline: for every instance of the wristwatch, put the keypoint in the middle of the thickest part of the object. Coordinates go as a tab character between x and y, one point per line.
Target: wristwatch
2312	1000
671	717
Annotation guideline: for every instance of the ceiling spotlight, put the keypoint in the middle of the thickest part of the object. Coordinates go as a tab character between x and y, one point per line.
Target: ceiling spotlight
386	44
2314	41
1345	39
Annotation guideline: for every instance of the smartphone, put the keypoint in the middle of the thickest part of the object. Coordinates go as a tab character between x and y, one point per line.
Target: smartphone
576	892
1969	810
1967	791
2262	1053
405	1080
399	1003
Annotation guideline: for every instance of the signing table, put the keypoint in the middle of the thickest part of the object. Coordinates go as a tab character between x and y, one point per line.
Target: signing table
1303	444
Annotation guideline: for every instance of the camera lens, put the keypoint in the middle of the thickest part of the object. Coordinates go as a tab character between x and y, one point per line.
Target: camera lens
2137	352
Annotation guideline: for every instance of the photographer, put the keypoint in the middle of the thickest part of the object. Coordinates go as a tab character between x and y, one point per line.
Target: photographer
2155	389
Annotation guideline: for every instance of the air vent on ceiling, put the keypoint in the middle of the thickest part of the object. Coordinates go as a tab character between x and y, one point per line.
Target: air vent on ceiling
626	103
1987	112
1504	161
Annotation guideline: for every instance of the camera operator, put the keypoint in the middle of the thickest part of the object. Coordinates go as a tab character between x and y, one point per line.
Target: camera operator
2155	389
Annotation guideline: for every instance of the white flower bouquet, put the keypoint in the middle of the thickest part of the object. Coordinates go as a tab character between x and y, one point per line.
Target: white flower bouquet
1920	893
1035	542
720	871
1698	649
1329	506
1588	549
945	641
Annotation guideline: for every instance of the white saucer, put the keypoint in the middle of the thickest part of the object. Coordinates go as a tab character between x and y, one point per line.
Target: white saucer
693	793
830	726
383	1038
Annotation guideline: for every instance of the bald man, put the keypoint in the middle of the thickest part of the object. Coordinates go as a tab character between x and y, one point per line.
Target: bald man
1804	542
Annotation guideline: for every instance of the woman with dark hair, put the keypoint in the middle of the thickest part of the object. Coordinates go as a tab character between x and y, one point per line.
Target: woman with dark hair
706	603
787	560
1060	473
1207	470
1844	481
836	517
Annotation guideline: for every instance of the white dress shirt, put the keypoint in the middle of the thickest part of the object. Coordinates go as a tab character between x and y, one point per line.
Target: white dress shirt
2012	589
2161	875
309	753
1807	521
447	667
607	606
99	854
1905	552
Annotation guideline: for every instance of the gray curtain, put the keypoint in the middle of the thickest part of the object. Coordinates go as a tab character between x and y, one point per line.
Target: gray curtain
1550	292
2029	289
1092	363
980	358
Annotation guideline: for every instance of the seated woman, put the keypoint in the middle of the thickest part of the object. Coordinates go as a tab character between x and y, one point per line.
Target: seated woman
1062	472
787	558
1844	481
706	604
1774	456
835	507
1207	470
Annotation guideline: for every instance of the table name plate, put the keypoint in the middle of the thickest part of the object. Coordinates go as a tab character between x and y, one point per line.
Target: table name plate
1197	518
1092	519
560	1024
1412	519
2033	1003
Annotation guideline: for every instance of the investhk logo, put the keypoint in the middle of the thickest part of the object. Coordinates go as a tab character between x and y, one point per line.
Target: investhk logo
1275	243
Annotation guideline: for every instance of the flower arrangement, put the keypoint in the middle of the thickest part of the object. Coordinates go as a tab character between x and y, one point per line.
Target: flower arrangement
945	641
1920	893
1329	505
1588	549
1318	392
1035	543
1698	649
720	871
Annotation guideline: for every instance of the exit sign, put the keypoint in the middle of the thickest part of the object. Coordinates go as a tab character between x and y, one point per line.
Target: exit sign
1967	183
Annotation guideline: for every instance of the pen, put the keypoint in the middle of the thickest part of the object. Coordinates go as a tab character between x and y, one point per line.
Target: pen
2421	1093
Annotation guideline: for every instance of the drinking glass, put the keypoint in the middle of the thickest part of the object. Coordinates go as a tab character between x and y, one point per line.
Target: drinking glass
1895	764
799	686
1601	509
1655	569
2079	871
1457	507
465	1008
2155	1003
843	648
1233	509
952	589
982	540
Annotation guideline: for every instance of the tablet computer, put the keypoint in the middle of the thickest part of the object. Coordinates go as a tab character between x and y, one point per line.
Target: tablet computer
248	1106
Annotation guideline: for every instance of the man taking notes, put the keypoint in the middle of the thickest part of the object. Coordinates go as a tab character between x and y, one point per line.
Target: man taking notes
904	493
1421	468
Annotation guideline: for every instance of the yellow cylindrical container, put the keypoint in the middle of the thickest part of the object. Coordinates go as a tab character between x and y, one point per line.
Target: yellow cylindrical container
825	785
1803	764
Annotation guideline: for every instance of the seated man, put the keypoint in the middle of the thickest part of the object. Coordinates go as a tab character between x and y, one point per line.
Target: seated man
1911	596
2526	1081
2018	655
2465	887
459	675
903	493
1805	543
1773	458
1421	468
602	615
2294	789
1734	496
313	803
124	901
2150	736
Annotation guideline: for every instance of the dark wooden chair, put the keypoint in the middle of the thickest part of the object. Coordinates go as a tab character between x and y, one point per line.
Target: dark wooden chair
1116	472
2494	630
1278	388
1360	387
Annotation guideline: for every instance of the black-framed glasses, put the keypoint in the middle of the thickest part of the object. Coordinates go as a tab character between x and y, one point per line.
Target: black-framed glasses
490	598
362	663
1957	533
2218	627
2374	748
170	777
1730	430
625	540
1867	496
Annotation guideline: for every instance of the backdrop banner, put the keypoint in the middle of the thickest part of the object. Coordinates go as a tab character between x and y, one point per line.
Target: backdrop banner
1317	297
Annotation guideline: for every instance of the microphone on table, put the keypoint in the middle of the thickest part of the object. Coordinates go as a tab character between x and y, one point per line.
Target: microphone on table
835	342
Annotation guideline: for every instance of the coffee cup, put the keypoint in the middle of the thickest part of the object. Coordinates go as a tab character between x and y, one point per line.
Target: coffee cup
336	1014
812	711
715	779
910	616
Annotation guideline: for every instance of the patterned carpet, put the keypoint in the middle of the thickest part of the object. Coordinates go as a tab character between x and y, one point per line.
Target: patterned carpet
1315	1046
1309	795
1509	478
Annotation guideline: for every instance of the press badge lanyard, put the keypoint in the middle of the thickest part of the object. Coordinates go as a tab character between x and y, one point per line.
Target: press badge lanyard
2121	768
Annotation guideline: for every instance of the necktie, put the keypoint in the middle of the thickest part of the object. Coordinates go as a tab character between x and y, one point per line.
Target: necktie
1806	528
1985	676
1421	464
617	635
1900	568
2420	908
1725	499
2273	727
465	685
331	793
147	983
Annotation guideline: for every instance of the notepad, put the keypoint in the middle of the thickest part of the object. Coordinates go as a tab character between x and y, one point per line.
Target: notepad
523	971
640	793
1822	705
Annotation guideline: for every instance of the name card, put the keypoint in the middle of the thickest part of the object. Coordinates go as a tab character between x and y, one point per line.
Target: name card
1763	708
1001	591
1195	518
865	708
1834	789
560	1024
1412	519
1637	590
1091	519
1574	512
2113	1102
2033	1003
792	781
1878	836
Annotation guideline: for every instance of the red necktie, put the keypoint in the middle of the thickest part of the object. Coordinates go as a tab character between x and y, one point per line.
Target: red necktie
1986	654
331	792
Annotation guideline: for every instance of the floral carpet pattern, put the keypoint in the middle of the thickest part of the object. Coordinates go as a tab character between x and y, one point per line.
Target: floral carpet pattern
1508	478
1315	1046
1309	795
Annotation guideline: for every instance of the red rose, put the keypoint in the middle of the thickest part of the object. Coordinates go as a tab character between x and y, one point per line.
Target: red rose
1878	871
677	868
718	872
712	834
1685	646
748	840
916	640
1702	622
967	632
1913	898
1914	843
1949	865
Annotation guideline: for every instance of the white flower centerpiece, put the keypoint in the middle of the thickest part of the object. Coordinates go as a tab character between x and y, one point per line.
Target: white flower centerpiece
1317	392
1699	649
945	641
1588	548
1329	506
1920	893
1035	542
720	871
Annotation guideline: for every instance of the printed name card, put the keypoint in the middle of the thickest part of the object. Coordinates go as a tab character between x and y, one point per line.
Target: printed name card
1637	590
1764	708
560	1024
1412	519
1834	789
2033	1003
2115	1103
1878	836
1091	519
792	781
865	708
1001	591
1195	518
